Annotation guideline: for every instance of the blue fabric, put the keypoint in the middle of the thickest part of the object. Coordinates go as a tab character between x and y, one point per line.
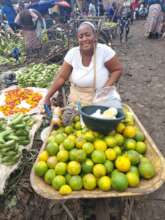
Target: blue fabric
151	2
10	13
43	7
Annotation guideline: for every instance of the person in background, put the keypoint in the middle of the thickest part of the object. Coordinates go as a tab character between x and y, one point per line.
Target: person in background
92	9
9	12
113	12
27	20
90	67
154	22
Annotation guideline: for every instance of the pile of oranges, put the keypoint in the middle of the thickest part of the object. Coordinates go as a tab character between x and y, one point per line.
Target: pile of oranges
77	158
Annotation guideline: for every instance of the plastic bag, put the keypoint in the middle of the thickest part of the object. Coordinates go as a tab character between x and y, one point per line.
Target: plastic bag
107	96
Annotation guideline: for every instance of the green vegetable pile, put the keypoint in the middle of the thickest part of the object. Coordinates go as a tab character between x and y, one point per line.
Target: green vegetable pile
14	135
37	75
7	43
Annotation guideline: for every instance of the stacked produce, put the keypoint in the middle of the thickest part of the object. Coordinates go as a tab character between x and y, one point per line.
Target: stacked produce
14	135
37	75
109	24
19	100
7	44
77	158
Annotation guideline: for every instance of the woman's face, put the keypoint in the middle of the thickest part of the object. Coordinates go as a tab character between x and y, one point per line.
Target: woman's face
86	38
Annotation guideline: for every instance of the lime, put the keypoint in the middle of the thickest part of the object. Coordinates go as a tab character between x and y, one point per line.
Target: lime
68	129
119	139
58	181
89	136
60	168
80	155
68	144
130	144
62	155
146	170
133	156
120	127
141	147
98	156
59	138
49	176
40	168
119	181
88	147
73	154
80	141
118	150
52	148
139	136
110	141
87	166
109	166
129	131
75	183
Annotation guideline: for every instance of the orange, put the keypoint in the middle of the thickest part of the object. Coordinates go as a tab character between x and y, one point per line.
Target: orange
110	154
89	181
99	170
74	168
65	190
43	156
100	145
104	183
129	131
123	163
120	127
133	179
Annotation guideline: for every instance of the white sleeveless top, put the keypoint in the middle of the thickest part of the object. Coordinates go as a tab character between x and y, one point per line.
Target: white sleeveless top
83	76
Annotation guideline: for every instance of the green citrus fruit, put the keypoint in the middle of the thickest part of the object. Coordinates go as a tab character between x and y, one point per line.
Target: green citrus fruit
40	168
109	166
147	170
98	156
88	147
87	166
65	190
75	183
133	156
133	179
52	148
52	161
68	144
58	181
141	147
74	168
104	183
89	181
119	181
49	176
60	168
62	155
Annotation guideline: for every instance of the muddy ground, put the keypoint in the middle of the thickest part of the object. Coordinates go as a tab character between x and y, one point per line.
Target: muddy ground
142	87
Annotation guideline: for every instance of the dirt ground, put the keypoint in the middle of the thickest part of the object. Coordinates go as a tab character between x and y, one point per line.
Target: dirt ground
142	87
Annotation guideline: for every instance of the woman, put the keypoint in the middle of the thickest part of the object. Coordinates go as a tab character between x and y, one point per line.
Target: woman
154	21
27	20
89	67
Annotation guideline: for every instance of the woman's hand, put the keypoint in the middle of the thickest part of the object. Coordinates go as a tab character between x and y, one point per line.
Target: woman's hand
47	101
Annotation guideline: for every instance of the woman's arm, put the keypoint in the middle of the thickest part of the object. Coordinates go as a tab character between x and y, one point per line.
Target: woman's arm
115	68
63	75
